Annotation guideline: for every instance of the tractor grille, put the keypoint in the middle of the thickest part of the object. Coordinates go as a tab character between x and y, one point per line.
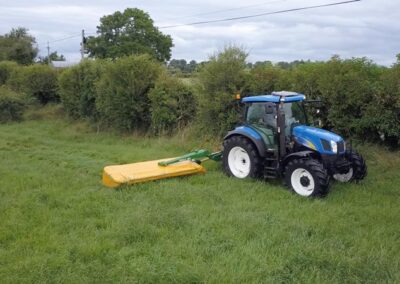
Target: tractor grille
340	146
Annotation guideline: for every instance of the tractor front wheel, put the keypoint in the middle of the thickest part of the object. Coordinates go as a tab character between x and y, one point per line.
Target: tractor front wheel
307	177
241	158
358	168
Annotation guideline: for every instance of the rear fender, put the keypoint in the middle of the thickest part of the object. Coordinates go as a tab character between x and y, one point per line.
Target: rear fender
250	134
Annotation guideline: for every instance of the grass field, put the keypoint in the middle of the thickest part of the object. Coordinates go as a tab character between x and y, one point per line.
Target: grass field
58	224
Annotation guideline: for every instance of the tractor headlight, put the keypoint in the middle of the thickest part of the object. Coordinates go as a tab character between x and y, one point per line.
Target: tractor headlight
334	146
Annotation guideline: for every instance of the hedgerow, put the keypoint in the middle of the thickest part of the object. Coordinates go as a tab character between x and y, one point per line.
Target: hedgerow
78	89
122	92
172	105
12	105
6	68
220	79
361	99
37	81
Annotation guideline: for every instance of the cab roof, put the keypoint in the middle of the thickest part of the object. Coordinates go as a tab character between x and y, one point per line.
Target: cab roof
276	97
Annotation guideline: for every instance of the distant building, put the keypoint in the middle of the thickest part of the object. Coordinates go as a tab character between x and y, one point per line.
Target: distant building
63	64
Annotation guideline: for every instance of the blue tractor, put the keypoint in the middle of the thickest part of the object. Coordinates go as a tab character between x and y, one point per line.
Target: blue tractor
276	141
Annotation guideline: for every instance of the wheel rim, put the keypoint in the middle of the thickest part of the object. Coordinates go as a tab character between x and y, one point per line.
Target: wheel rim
344	177
239	162
302	182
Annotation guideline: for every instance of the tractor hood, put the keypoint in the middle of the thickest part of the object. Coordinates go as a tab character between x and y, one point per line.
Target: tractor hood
318	139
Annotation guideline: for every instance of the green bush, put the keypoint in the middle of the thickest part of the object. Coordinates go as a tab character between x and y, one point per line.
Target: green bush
221	78
78	91
361	99
6	67
122	92
384	108
12	105
173	105
264	78
37	81
348	87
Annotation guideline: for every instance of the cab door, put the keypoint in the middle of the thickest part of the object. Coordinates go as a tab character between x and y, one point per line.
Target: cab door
262	118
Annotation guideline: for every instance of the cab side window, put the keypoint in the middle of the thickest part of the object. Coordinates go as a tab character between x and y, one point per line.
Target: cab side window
270	115
255	113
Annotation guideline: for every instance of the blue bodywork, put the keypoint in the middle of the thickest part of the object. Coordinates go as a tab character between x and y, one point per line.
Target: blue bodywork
251	134
249	131
275	98
307	136
310	137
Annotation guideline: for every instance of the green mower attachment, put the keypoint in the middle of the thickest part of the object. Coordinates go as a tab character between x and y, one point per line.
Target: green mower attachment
196	156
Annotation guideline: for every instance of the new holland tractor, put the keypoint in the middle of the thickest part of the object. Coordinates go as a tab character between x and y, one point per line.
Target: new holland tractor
276	141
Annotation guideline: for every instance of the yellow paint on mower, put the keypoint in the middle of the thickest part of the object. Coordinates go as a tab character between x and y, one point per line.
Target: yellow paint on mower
114	176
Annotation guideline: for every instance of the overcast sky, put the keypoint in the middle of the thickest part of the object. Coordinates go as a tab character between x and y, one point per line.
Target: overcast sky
368	28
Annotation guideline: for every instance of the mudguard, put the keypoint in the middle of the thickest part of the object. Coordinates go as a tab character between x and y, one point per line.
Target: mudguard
298	155
252	135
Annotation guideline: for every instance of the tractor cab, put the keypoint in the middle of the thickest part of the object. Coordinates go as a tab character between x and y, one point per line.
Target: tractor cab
275	140
261	113
281	121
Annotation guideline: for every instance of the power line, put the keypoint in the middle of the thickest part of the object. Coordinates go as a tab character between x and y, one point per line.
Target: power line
60	39
259	15
65	38
231	9
230	19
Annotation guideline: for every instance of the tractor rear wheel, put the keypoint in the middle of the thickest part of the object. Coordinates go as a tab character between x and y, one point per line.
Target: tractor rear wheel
307	177
240	158
358	169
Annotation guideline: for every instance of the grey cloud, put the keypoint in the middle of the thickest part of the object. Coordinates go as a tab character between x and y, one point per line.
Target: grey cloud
367	28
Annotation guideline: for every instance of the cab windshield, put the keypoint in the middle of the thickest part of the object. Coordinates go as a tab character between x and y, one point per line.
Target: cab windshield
264	115
294	114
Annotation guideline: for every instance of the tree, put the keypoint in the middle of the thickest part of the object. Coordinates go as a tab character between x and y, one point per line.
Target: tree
54	56
178	64
192	66
182	65
18	46
128	33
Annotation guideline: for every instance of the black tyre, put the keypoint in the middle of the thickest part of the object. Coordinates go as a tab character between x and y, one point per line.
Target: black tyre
358	169
240	158
307	177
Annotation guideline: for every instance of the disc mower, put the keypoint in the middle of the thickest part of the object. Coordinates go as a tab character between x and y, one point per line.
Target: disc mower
274	141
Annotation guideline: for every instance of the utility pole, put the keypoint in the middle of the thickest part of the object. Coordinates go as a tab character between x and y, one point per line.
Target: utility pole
83	45
48	53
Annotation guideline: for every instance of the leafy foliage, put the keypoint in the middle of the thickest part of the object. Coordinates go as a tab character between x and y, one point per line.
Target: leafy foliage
12	105
37	81
127	33
122	92
221	78
385	112
173	105
347	87
6	68
78	90
358	96
18	46
181	65
264	78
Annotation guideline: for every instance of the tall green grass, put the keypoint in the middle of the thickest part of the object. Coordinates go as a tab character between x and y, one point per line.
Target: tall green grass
59	224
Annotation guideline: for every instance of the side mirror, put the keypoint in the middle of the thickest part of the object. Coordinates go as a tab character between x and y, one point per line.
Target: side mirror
318	123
